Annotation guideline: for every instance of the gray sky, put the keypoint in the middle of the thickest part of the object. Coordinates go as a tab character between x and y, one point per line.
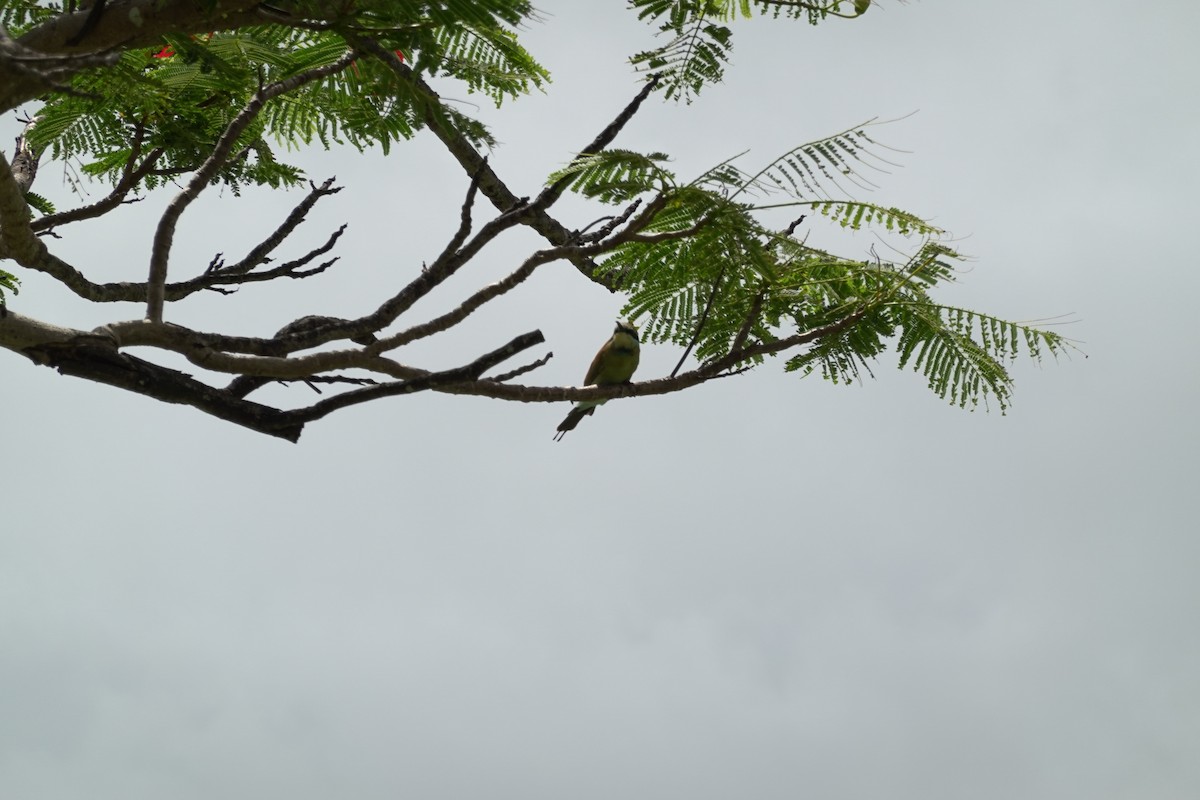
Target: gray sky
767	587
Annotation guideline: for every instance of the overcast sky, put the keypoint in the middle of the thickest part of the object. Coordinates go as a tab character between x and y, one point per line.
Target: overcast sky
763	588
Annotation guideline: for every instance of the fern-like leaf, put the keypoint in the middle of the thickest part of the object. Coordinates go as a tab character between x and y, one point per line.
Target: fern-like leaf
699	47
38	203
616	176
854	215
964	354
11	283
819	168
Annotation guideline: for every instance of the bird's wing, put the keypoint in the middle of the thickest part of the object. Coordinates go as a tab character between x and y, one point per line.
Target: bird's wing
595	367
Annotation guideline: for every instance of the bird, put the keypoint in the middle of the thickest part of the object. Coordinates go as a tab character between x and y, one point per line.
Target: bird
614	364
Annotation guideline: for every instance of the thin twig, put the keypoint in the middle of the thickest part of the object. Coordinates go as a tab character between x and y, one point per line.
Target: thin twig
551	193
456	315
530	367
712	296
263	249
751	318
610	224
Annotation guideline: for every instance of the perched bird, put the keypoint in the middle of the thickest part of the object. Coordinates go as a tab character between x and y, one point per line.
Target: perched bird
615	363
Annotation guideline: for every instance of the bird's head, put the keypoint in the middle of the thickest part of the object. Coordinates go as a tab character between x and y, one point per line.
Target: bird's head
627	328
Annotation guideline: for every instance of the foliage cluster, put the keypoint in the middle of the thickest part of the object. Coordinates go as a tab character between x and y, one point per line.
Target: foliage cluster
698	262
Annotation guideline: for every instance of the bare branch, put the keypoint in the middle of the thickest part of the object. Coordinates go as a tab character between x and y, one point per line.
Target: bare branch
751	318
473	163
260	253
530	367
245	384
165	233
197	350
432	380
464	215
551	193
288	270
98	361
512	280
795	224
219	275
446	264
464	309
611	224
116	197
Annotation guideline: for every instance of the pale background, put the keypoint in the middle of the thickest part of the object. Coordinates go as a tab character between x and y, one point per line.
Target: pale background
763	588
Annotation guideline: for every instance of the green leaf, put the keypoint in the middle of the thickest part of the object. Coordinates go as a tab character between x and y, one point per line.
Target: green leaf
616	176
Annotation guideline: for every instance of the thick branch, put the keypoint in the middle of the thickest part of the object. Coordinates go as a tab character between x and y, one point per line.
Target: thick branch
94	358
42	58
25	161
17	240
26	72
140	23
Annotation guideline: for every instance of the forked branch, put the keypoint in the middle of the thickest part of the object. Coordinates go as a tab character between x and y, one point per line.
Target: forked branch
164	234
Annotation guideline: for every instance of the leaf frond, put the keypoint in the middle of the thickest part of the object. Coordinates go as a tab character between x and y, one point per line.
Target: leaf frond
616	175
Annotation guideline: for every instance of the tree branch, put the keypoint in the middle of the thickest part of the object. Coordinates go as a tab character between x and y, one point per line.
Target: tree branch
165	232
25	160
128	182
96	360
551	193
17	239
451	318
260	252
432	380
712	296
473	163
26	71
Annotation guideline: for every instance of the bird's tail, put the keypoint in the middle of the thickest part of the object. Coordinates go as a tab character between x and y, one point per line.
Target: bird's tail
576	414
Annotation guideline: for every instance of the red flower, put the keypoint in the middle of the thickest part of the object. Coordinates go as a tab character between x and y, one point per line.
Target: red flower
354	66
167	50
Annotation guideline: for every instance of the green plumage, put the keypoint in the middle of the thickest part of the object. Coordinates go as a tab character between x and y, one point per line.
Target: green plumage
614	364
